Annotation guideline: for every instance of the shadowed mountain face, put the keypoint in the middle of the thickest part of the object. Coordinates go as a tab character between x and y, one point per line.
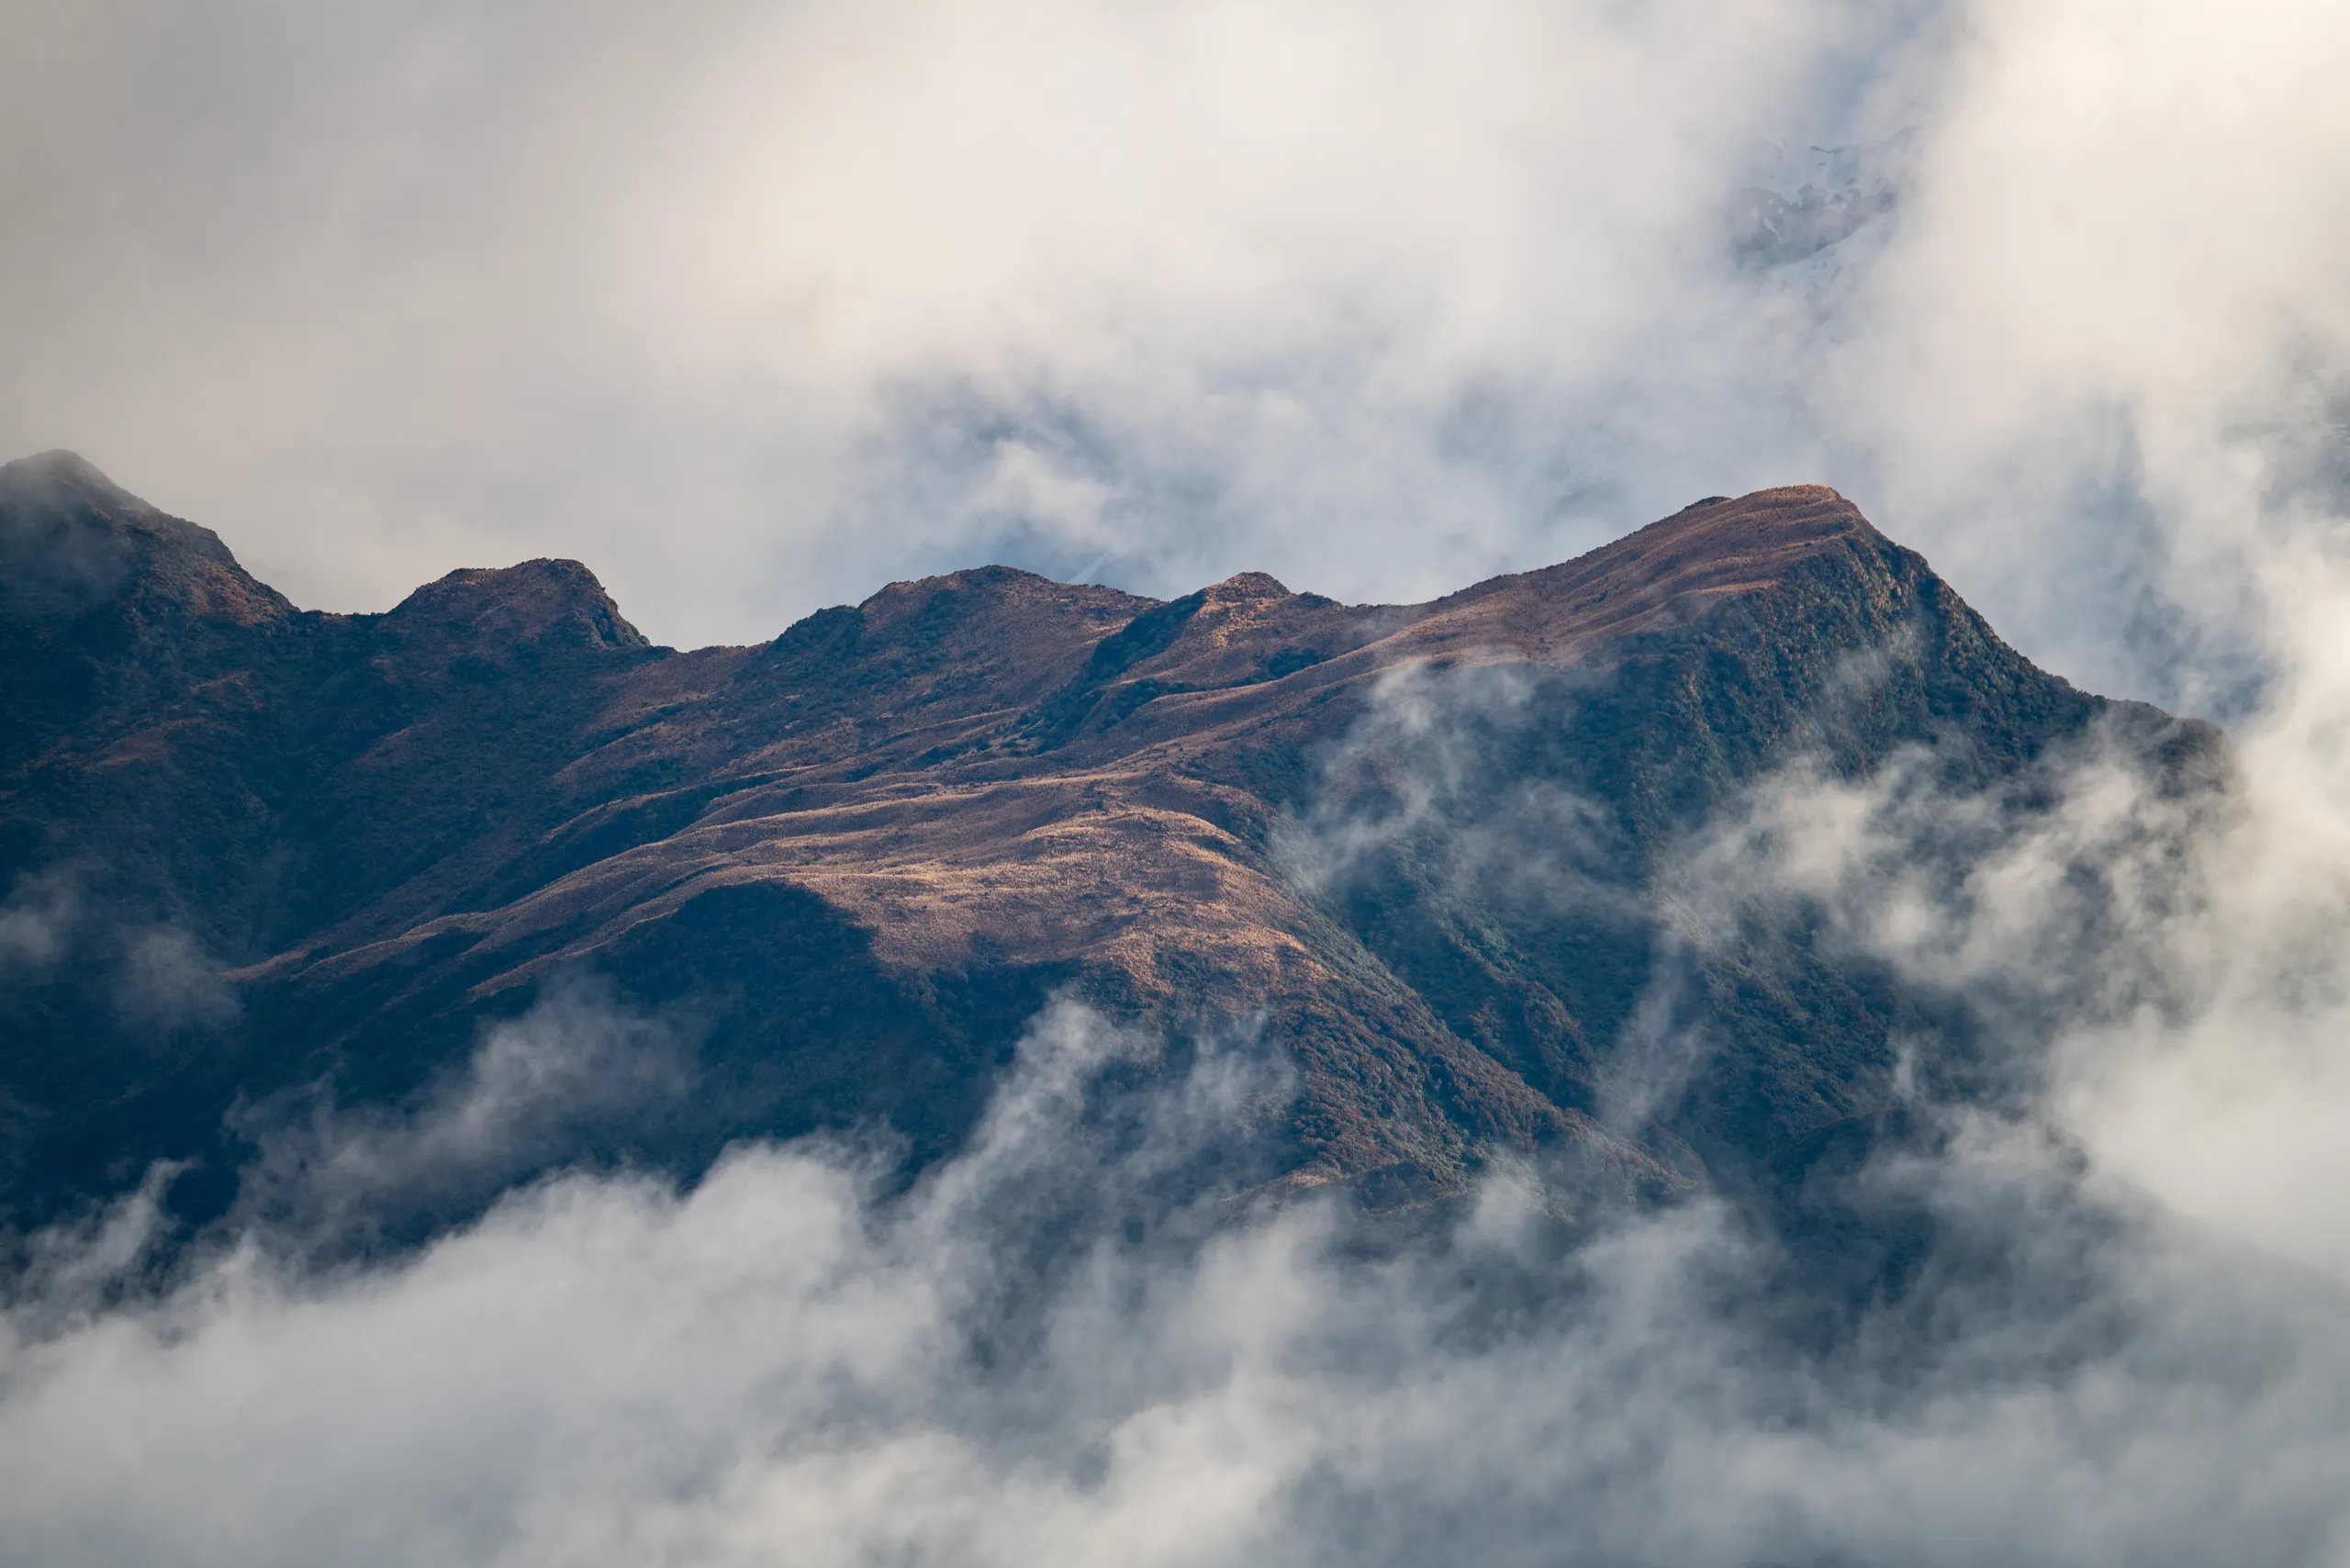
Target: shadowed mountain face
260	859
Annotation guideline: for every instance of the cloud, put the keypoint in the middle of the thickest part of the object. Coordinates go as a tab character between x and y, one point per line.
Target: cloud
579	1057
2164	966
36	922
1435	771
52	564
756	308
168	982
792	1360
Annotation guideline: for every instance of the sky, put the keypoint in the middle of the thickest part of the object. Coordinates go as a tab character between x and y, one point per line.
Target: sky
755	308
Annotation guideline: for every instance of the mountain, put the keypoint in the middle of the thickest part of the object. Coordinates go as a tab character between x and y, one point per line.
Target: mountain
1804	202
265	863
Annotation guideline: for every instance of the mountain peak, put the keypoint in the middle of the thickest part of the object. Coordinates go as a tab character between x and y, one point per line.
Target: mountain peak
1665	575
1784	510
1245	586
1722	545
59	469
531	601
71	540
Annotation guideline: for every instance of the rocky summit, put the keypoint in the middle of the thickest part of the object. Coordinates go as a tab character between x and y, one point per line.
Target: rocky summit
259	859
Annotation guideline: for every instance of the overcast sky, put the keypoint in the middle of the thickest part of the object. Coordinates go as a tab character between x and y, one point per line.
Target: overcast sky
755	308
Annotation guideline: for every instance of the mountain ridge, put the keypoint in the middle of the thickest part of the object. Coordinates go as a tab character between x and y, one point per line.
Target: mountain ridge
860	856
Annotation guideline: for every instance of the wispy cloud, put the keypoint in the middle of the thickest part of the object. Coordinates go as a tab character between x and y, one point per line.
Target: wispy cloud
1435	771
168	982
36	922
580	1058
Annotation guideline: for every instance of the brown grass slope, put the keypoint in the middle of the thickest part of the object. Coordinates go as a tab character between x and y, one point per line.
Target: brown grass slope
857	857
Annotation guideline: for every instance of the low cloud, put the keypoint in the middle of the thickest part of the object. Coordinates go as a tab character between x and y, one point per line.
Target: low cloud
2165	964
36	924
579	1058
155	978
2045	898
791	1361
1433	772
168	982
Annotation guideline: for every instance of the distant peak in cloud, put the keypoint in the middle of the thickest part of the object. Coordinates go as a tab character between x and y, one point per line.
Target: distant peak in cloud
71	540
1803	202
59	466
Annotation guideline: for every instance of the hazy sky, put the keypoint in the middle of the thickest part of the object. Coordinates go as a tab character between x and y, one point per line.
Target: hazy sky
754	307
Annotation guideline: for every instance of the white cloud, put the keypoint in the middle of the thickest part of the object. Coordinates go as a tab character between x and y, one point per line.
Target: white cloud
168	982
786	1362
36	922
578	1058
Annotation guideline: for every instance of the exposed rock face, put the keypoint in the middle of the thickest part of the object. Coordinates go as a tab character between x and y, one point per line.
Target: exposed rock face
857	858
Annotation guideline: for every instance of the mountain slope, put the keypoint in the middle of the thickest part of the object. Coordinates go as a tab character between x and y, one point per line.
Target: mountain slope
1412	845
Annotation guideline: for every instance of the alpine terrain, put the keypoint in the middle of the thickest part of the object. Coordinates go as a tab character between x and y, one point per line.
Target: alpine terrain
262	863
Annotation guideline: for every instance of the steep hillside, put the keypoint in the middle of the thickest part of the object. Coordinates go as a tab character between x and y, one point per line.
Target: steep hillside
252	851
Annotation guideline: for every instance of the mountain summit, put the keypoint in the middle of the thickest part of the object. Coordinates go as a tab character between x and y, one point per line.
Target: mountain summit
1413	849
